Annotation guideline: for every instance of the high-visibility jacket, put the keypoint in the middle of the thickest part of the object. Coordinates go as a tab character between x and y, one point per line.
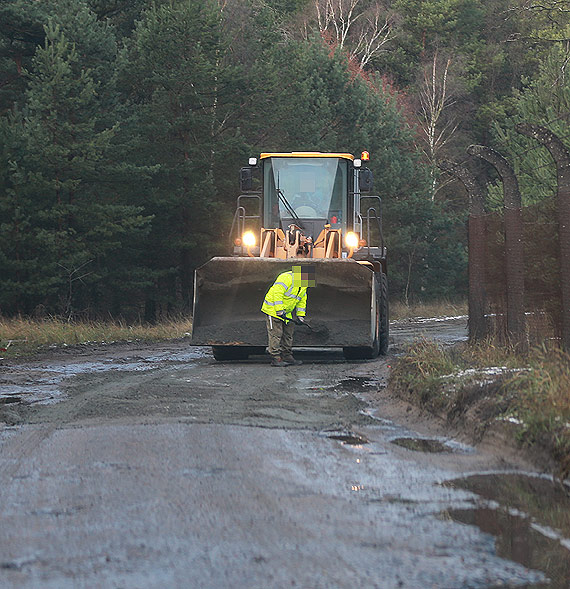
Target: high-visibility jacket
283	296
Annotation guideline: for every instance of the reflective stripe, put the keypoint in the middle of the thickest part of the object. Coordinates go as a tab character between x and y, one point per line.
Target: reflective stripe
272	304
296	297
281	284
301	309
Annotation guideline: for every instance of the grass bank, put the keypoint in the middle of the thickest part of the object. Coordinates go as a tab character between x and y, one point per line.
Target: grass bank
400	310
488	384
22	335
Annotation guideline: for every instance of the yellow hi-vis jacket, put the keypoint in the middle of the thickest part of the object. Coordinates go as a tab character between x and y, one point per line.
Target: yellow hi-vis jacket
283	296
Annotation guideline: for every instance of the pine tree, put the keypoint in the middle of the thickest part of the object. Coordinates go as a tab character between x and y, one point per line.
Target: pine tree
185	103
53	186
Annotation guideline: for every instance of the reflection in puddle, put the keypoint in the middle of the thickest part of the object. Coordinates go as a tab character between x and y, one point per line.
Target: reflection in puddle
547	502
516	540
347	437
422	445
533	524
356	384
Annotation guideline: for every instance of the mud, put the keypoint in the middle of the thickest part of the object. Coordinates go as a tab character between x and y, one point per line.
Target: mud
153	465
422	445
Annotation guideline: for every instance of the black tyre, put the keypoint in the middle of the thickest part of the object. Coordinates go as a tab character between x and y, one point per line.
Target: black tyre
222	353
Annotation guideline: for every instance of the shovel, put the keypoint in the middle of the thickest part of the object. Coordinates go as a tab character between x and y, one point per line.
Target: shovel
317	329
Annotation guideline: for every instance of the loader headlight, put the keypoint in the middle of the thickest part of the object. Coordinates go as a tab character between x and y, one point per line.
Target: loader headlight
248	239
351	240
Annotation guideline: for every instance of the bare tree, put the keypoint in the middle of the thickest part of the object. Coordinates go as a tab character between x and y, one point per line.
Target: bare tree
362	30
435	97
373	35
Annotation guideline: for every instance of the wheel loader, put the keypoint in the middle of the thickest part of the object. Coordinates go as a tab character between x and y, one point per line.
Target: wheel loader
299	208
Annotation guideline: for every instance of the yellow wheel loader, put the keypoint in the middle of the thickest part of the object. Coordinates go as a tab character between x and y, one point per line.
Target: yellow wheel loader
306	208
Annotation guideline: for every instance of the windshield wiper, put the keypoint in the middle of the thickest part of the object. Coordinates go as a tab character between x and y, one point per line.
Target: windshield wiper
287	205
289	208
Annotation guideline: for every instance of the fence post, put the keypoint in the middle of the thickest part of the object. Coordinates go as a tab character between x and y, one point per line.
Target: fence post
561	156
513	223
477	254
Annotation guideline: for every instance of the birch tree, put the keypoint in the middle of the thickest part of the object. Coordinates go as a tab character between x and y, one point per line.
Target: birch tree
362	29
435	99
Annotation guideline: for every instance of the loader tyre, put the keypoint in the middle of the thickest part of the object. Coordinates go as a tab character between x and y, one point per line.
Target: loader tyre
222	353
384	330
369	352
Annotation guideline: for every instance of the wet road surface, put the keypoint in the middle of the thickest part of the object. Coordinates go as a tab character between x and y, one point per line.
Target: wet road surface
155	466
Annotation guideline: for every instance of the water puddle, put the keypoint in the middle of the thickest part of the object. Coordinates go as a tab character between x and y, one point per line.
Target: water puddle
42	384
422	445
347	437
10	400
531	522
518	541
356	384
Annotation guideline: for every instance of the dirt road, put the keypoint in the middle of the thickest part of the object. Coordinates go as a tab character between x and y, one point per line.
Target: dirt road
154	466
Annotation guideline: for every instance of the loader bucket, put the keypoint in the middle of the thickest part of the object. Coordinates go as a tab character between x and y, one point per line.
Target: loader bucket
229	292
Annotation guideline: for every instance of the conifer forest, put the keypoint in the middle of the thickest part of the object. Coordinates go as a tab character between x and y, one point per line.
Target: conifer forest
124	124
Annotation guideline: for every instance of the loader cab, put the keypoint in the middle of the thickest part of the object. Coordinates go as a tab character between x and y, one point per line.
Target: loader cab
307	204
309	189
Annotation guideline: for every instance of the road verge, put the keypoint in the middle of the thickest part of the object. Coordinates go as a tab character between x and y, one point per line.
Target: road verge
483	388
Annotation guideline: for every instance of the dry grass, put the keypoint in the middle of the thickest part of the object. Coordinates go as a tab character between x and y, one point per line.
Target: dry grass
399	310
542	402
532	390
22	334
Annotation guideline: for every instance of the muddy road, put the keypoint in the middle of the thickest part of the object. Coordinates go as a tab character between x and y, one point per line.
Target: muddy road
135	466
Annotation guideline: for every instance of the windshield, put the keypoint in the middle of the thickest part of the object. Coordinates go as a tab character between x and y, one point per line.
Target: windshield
313	187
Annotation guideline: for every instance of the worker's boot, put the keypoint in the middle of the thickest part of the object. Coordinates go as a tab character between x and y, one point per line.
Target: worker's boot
276	361
290	361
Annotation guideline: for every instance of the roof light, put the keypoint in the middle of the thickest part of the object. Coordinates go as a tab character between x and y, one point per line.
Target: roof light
365	156
253	161
357	163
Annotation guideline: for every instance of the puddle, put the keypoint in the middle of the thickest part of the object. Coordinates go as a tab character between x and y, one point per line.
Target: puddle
356	384
10	400
46	380
518	541
546	502
347	437
532	525
422	445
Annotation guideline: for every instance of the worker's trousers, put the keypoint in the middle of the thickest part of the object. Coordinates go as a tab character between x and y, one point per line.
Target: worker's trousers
280	335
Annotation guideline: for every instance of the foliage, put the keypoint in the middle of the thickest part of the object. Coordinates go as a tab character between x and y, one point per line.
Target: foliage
543	401
123	124
545	101
57	231
494	383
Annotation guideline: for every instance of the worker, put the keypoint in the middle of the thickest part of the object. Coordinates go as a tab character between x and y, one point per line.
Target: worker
285	304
